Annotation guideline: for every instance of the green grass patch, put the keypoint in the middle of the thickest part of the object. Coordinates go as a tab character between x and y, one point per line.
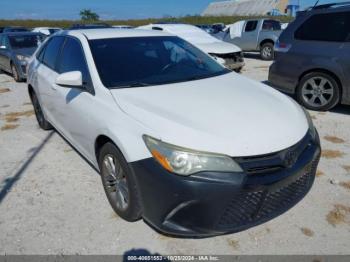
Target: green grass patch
137	22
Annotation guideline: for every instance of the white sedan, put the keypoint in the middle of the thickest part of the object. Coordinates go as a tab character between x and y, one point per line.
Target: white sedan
180	141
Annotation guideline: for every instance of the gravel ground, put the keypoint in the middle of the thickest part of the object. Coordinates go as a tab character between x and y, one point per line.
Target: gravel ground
52	201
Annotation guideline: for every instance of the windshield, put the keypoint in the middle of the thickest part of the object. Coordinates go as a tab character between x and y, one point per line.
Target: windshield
25	41
53	30
142	61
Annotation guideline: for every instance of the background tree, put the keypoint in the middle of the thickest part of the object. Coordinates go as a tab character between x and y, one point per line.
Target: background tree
88	15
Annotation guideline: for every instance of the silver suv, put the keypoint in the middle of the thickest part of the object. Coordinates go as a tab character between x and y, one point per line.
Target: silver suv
313	57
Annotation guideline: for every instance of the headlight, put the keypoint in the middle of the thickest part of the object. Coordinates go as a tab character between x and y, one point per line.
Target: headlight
22	58
185	162
311	124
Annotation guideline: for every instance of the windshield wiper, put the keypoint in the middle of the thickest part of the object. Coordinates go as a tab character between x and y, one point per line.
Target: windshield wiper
134	84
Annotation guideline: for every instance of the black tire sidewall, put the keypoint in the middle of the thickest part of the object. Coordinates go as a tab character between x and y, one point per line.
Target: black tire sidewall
134	210
45	125
15	73
336	97
272	52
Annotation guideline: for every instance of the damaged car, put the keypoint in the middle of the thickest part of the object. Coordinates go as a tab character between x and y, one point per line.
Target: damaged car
227	54
191	147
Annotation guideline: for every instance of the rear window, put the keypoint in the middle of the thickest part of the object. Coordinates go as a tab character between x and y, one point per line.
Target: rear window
25	41
271	25
332	27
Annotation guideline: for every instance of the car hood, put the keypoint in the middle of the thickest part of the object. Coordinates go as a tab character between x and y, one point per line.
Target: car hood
218	47
25	51
228	114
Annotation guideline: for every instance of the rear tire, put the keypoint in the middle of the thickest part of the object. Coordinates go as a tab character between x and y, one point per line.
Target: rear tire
43	123
119	183
15	73
318	91
267	51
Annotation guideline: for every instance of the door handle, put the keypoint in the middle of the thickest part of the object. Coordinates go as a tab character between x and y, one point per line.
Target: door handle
54	87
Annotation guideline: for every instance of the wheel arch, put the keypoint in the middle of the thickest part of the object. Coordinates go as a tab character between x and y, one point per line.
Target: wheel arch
267	40
103	139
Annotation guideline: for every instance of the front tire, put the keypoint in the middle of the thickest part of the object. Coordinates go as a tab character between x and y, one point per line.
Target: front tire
43	123
318	91
119	183
15	73
267	51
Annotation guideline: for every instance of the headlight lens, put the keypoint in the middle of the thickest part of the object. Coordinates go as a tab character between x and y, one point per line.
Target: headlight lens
185	162
22	58
311	124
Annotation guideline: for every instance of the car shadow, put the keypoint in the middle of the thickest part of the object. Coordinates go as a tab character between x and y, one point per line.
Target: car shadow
341	109
253	56
11	181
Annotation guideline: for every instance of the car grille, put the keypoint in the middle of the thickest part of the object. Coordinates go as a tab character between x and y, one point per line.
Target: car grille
257	206
274	162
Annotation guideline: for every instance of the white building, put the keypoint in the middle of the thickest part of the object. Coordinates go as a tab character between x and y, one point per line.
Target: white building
245	7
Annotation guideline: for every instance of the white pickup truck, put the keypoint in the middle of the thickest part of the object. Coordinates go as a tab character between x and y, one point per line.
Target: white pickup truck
258	35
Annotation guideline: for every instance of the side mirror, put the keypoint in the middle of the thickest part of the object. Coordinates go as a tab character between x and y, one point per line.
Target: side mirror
70	79
3	47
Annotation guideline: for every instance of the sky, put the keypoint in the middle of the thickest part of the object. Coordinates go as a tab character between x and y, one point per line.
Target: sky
107	9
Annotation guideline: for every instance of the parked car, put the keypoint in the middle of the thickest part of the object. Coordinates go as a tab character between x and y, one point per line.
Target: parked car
206	28
172	132
228	55
122	26
89	26
12	29
255	35
313	58
15	51
46	30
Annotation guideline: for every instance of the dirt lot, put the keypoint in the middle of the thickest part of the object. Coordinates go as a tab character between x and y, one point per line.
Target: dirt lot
52	201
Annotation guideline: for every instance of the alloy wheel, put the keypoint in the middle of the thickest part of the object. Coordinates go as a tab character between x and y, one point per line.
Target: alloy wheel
267	51
116	183
317	91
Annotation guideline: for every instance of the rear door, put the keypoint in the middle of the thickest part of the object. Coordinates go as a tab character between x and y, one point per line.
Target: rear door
323	40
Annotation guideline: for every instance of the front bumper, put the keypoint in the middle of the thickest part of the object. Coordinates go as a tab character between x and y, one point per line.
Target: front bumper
232	61
212	203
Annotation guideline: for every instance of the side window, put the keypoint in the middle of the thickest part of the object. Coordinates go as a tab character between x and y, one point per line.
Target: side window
332	27
40	54
271	25
251	26
73	59
52	51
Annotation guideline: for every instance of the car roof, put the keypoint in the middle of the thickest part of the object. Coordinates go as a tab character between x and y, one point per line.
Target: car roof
323	9
103	33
